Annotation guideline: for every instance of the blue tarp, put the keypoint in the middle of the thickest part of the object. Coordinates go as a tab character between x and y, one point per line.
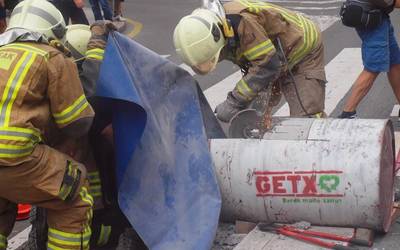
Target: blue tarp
166	183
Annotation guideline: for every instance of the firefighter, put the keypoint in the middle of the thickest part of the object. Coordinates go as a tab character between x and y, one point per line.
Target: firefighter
87	47
40	90
269	43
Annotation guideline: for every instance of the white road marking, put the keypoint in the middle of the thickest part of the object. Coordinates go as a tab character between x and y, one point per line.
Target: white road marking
340	73
19	239
319	2
217	93
395	110
313	8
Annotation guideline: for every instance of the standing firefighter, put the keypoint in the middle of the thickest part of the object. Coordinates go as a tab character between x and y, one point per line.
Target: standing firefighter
41	89
269	43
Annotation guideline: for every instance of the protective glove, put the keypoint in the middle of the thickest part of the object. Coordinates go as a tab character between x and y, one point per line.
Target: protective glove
100	31
229	108
348	115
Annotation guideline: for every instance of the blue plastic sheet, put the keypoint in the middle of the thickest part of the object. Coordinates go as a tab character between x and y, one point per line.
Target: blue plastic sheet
167	186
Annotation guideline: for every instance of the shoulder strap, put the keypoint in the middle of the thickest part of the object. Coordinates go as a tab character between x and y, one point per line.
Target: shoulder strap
234	20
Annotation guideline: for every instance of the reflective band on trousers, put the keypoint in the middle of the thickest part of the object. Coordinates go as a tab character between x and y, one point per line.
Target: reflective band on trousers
95	54
105	232
95	190
72	174
311	35
71	112
94	184
86	197
94	177
3	242
62	240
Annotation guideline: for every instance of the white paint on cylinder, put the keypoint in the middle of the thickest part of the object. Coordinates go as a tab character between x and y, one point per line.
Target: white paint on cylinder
338	173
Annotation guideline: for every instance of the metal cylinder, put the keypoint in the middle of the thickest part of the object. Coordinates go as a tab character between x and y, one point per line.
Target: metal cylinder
325	171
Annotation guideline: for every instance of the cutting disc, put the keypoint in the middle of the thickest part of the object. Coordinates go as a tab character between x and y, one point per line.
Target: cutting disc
245	124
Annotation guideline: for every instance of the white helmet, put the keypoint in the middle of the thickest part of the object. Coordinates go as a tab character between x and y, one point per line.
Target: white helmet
39	16
199	39
77	39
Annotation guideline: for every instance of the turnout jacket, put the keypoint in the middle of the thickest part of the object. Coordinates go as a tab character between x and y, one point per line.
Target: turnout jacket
40	89
257	26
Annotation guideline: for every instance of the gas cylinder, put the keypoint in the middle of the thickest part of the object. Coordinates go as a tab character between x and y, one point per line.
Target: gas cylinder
331	172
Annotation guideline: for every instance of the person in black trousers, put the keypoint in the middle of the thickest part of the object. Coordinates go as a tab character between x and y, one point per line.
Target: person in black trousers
71	9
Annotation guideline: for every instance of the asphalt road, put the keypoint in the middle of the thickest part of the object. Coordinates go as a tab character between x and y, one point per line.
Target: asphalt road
151	23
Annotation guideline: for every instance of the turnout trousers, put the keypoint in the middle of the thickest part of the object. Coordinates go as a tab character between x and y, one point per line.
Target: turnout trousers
309	85
52	180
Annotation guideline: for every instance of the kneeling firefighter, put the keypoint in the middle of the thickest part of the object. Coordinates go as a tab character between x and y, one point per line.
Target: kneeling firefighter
41	90
269	43
87	46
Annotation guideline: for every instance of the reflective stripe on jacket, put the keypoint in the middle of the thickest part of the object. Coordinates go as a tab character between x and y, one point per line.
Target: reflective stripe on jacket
38	87
260	25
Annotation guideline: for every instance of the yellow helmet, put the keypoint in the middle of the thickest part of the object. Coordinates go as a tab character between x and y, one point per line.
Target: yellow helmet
77	39
39	16
199	39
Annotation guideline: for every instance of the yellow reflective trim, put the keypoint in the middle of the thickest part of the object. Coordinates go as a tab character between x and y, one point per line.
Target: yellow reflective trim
105	232
95	191
256	6
66	189
11	79
6	59
86	197
95	54
319	115
25	47
16	90
15	151
53	247
94	173
245	90
54	231
65	242
94	181
71	112
265	51
96	194
19	134
258	50
3	241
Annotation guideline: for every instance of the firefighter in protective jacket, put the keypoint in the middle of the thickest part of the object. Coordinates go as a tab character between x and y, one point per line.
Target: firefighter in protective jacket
41	90
268	43
87	45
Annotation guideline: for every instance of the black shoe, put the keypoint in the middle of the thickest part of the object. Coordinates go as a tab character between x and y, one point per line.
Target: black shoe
348	115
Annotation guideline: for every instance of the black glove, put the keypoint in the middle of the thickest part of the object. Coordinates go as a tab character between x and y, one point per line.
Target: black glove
229	108
100	31
348	115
